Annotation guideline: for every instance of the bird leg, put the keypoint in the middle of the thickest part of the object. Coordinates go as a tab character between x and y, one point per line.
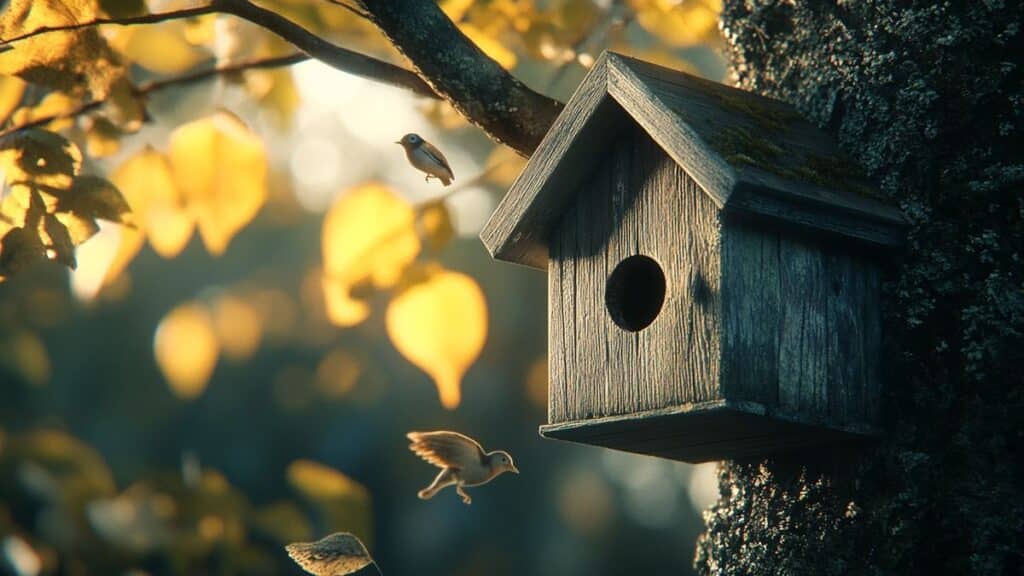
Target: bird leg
444	478
427	179
465	497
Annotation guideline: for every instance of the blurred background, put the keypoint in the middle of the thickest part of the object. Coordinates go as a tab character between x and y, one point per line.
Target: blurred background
238	373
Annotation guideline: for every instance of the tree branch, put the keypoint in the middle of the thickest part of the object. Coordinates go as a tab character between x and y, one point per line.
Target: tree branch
158	85
341	58
331	54
479	88
448	64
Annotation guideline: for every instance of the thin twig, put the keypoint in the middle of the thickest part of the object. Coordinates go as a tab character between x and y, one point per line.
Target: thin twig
331	54
158	85
5	43
484	175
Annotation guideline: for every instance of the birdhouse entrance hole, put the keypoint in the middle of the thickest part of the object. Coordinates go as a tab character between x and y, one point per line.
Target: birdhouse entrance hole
635	292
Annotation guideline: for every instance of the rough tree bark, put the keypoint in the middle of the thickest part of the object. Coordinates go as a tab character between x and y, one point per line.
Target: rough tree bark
927	95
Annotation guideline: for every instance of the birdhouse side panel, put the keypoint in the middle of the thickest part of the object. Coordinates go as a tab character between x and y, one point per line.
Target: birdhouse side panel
801	326
634	283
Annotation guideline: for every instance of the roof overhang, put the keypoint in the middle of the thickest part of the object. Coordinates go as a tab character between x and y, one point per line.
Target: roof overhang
619	90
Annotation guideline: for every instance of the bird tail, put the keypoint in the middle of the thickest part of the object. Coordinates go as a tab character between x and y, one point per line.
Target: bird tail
446	180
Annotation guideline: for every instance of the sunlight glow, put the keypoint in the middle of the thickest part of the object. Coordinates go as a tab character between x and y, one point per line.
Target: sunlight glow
94	259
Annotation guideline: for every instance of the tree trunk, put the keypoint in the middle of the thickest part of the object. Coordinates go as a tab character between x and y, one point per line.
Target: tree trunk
927	96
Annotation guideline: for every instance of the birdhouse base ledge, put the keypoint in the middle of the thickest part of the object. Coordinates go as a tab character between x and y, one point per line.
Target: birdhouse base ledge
708	431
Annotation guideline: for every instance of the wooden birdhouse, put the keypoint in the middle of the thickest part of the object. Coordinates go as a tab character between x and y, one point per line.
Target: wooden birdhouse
713	269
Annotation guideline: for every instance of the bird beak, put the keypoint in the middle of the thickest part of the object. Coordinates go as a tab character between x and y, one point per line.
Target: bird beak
514	470
398	141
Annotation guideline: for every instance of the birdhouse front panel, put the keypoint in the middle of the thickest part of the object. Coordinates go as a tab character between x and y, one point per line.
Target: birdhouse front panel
634	283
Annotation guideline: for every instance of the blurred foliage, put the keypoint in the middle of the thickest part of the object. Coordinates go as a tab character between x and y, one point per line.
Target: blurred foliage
62	504
109	144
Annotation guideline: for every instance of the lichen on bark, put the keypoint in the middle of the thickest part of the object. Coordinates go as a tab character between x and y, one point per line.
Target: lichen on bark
927	97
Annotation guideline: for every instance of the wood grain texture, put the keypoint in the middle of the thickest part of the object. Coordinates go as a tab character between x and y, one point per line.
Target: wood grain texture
800	325
519	228
638	201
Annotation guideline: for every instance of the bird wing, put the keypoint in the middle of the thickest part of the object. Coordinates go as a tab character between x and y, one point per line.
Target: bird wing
438	157
446	449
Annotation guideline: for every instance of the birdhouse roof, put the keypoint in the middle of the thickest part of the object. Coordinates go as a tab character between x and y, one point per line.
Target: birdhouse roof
752	155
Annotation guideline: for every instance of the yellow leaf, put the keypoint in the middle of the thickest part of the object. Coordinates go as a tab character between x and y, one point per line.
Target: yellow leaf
456	9
342	502
102	137
682	23
435	224
276	91
186	349
161	48
40	157
220	167
123	107
239	327
95	197
54	104
440	325
11	91
490	46
72	61
368	236
146	182
337	554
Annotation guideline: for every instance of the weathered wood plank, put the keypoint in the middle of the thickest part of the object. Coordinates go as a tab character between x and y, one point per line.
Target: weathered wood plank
752	313
681	230
803	342
846	359
677	137
704	431
561	330
872	319
519	227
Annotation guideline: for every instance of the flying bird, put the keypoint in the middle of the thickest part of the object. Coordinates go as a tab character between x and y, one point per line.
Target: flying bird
426	158
461	459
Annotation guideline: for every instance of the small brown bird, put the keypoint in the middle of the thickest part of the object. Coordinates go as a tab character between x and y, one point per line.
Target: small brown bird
461	459
426	158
